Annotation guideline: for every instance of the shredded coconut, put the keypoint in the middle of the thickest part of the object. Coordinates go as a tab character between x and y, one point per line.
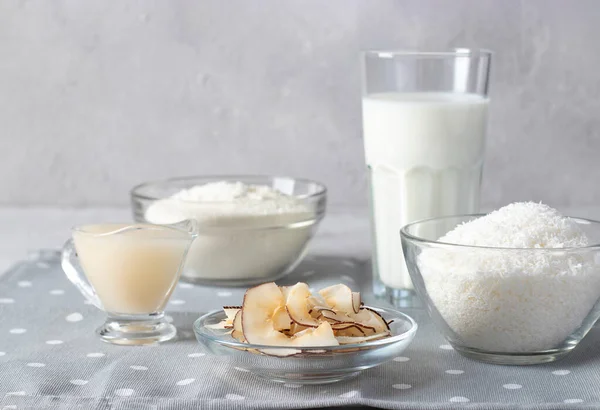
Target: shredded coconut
513	300
246	254
519	225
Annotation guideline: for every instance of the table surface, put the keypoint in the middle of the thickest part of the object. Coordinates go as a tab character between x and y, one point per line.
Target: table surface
428	375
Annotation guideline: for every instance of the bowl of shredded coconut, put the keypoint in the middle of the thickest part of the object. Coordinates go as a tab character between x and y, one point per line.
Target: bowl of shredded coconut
520	285
253	229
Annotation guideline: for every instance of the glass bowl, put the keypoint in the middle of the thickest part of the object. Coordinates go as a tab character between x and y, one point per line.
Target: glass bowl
234	248
505	305
307	365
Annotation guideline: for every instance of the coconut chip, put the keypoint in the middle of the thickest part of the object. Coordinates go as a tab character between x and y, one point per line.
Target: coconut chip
293	317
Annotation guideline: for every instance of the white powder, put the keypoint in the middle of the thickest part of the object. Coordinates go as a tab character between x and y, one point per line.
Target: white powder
513	300
237	254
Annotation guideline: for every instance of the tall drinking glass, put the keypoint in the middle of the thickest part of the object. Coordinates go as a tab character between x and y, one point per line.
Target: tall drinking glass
424	127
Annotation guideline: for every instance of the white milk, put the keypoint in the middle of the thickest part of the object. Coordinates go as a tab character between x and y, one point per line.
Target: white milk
425	154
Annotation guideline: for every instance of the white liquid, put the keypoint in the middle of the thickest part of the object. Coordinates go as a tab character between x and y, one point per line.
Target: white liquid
425	154
133	272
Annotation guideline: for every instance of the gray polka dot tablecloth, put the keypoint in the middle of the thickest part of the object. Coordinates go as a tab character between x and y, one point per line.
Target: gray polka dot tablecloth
51	358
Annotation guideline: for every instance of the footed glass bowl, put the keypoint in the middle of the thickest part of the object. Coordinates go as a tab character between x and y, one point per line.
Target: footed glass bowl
307	365
511	306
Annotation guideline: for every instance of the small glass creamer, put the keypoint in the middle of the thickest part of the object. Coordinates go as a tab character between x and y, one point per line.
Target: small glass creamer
129	271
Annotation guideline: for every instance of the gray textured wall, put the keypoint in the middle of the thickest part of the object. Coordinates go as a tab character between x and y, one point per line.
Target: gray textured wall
98	95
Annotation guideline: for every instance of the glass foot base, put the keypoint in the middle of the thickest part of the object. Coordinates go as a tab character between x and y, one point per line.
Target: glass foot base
309	379
512	359
399	298
136	332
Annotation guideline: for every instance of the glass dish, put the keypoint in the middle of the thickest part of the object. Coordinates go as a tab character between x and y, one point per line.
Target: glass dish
512	306
239	250
309	365
129	271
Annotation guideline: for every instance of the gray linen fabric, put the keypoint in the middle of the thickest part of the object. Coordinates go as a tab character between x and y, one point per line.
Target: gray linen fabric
50	357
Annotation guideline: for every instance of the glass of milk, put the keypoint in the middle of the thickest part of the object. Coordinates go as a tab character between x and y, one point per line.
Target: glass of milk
424	127
129	271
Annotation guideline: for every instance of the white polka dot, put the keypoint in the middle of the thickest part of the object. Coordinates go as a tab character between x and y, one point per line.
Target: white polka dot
2	353
561	372
512	386
74	317
401	386
6	301
401	359
292	385
350	394
178	302
455	371
24	284
54	342
234	397
17	331
78	382
308	273
95	355
36	364
224	294
57	292
16	393
240	369
124	392
185	382
196	354
459	399
135	367
572	401
168	319
186	285
445	347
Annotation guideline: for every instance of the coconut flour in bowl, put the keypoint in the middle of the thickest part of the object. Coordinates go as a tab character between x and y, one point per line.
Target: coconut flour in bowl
513	300
248	233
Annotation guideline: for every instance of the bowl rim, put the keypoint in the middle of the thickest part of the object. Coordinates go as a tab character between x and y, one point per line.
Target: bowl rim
308	349
134	192
414	238
451	52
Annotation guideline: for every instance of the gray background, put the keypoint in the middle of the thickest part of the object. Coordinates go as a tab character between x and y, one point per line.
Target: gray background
98	95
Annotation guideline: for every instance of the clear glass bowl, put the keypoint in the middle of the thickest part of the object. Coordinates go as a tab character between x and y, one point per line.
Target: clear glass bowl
236	249
505	305
308	365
